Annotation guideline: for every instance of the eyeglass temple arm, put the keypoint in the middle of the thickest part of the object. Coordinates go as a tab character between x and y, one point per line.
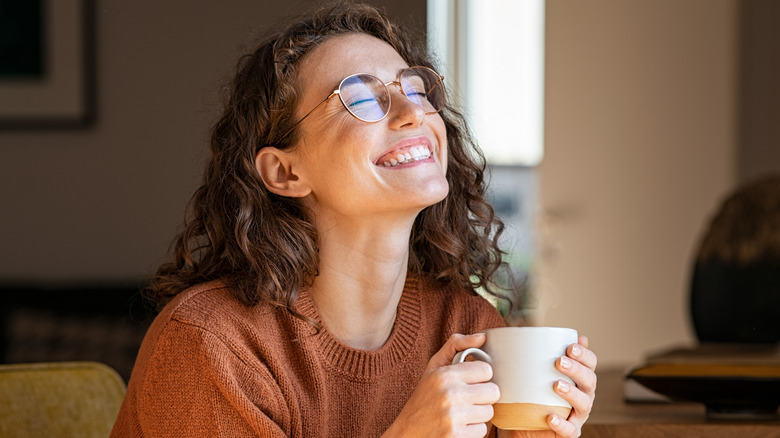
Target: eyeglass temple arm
439	82
335	92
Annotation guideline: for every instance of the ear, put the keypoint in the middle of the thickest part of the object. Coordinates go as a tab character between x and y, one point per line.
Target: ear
275	167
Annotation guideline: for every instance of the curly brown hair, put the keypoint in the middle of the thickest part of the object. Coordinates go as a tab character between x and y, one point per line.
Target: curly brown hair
265	245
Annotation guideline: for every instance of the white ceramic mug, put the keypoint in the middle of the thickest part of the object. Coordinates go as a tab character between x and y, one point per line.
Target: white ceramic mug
523	361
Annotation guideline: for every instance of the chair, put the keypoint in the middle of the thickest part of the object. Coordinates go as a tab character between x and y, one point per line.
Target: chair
59	399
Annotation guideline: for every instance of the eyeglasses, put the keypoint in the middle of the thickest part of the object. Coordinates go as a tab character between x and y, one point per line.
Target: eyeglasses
367	98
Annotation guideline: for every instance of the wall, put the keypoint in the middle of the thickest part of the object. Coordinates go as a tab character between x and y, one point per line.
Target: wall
102	204
640	146
759	89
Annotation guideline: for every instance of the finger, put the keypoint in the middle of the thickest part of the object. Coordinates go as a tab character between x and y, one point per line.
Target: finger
457	342
583	355
580	402
583	377
483	394
478	414
563	427
473	372
470	381
460	416
477	430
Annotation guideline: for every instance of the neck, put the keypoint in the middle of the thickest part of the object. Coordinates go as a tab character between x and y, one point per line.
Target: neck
360	282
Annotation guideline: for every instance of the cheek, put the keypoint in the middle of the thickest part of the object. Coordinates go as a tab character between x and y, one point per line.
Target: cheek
441	135
444	157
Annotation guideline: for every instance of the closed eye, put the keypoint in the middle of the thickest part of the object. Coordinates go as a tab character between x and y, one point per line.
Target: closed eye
357	102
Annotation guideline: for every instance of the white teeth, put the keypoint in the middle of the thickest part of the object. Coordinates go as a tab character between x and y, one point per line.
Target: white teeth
412	154
423	152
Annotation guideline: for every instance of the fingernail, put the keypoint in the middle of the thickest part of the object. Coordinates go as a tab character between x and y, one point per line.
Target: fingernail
565	363
563	386
555	420
576	350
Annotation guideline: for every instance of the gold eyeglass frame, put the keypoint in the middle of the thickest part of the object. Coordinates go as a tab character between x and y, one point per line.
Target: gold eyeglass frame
389	96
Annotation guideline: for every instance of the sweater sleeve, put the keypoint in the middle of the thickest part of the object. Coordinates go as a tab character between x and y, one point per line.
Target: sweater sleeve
196	385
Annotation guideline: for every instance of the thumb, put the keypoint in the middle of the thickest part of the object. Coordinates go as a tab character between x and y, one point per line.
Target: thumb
457	342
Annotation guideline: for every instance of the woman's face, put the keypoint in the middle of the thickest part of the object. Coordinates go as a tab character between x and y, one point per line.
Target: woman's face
342	159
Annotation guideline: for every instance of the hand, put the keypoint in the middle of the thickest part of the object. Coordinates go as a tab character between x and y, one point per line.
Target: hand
450	400
580	365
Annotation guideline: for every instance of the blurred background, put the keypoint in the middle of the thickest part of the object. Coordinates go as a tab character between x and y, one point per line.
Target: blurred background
653	111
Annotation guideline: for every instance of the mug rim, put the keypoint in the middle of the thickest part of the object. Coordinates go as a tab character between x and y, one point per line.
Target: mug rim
531	328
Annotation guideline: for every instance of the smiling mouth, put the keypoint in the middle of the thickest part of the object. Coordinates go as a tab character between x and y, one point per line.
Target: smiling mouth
405	155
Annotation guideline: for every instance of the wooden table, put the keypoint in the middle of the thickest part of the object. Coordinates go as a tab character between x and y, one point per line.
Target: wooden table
613	418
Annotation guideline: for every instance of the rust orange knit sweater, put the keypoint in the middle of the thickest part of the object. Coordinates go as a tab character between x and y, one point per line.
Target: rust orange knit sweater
210	366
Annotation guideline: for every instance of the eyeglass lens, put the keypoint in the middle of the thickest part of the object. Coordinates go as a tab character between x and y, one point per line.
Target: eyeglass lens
368	99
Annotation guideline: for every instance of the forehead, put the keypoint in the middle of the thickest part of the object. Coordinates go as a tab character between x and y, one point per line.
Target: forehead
343	55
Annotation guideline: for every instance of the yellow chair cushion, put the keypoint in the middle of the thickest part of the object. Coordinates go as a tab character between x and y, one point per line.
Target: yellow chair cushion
66	399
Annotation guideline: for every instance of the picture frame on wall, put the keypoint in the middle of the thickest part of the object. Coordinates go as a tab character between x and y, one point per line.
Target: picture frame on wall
46	64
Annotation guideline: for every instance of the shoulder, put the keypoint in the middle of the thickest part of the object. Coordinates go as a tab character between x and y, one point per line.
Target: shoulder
451	296
208	318
213	307
460	309
206	344
202	303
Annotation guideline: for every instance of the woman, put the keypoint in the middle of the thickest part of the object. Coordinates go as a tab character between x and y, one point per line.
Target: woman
326	276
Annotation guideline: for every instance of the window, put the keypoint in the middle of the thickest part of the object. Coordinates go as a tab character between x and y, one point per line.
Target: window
492	52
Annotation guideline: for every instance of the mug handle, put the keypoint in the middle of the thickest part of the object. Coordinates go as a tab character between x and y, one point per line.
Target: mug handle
476	352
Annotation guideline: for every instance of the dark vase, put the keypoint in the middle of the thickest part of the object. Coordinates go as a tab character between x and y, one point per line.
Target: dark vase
733	303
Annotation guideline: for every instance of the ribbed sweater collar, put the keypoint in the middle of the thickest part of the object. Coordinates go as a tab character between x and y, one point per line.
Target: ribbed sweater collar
362	364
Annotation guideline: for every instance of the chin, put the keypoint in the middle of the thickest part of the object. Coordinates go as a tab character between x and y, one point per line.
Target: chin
435	192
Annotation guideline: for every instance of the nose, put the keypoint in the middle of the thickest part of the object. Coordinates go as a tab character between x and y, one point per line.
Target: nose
403	112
